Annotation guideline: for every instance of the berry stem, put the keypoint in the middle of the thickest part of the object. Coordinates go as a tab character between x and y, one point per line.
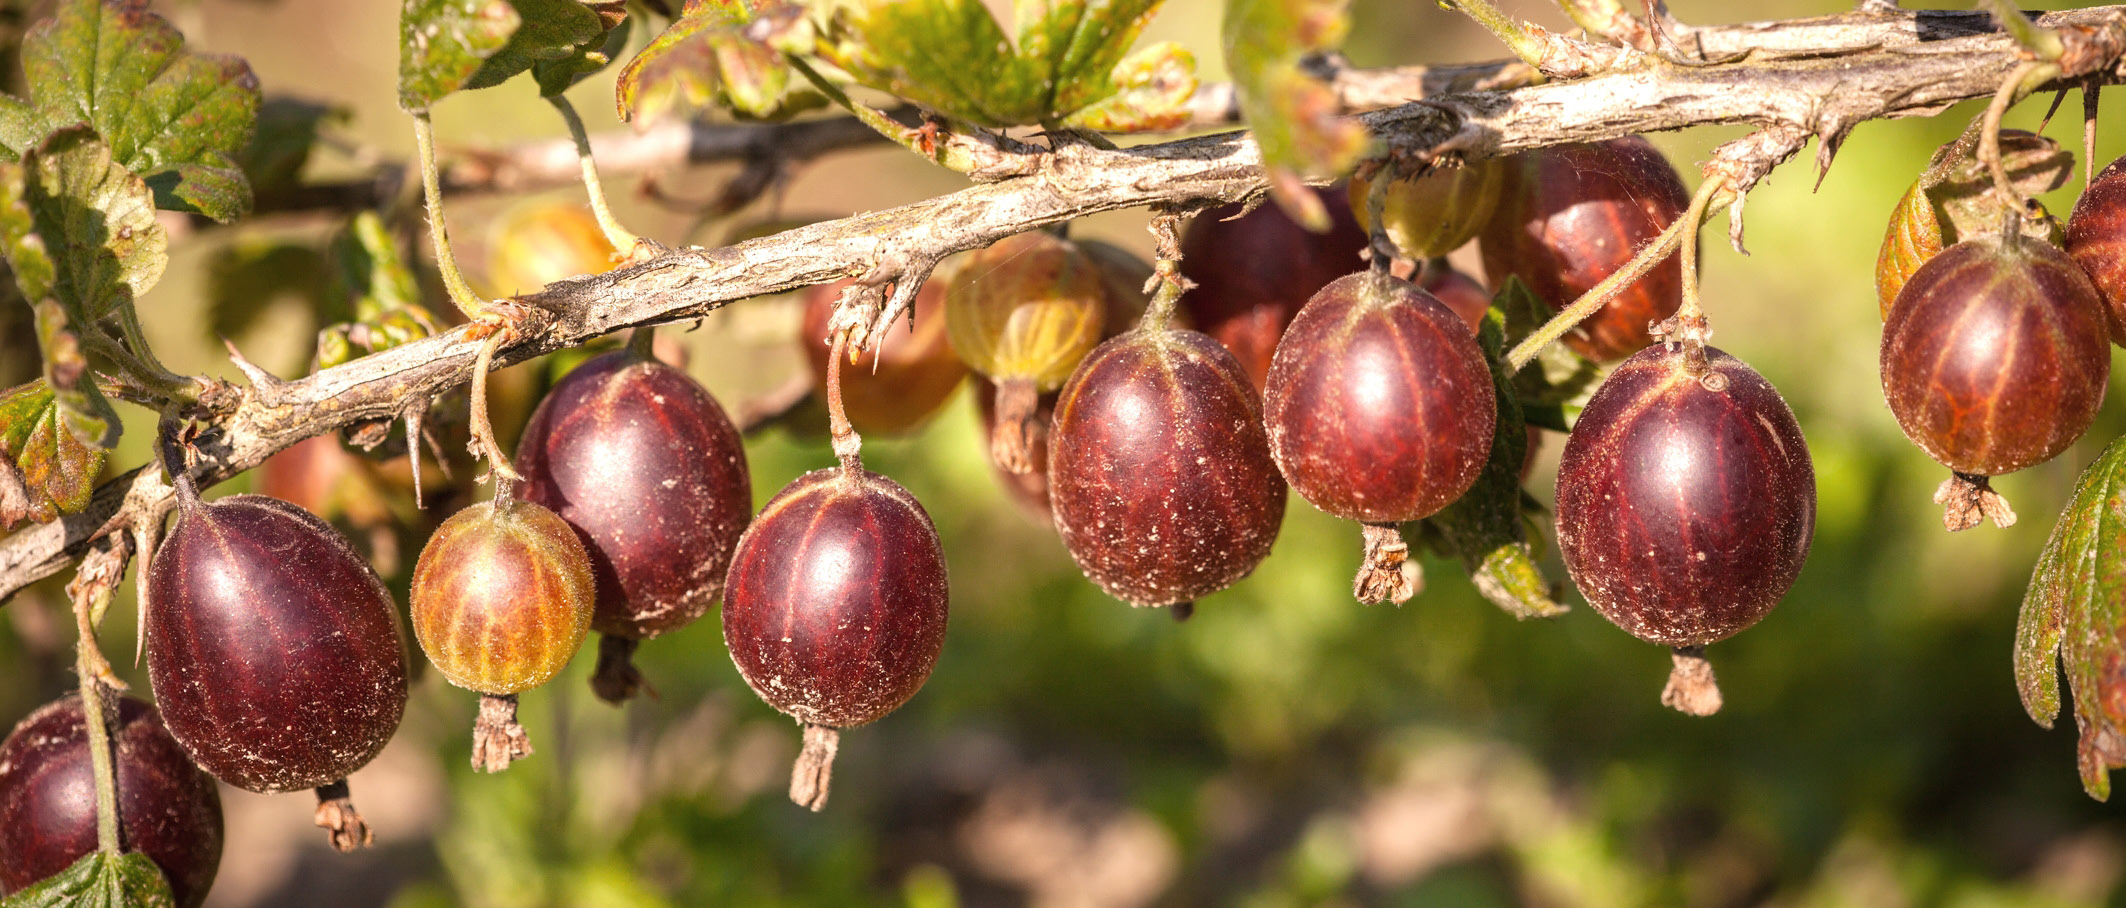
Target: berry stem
616	679
461	293
1182	611
1385	573
642	343
497	739
1691	687
1166	242
2090	93
2043	43
623	240
1017	431
484	443
848	446
172	453
1599	295
1689	311
336	815
2026	75
813	773
91	592
1378	242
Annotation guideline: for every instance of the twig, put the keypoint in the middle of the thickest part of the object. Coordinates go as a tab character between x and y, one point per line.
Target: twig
1825	96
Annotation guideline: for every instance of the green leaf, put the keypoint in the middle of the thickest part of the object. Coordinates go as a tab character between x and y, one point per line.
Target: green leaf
1070	64
713	54
374	288
44	471
1294	115
551	31
1485	527
1558	374
2074	618
82	408
556	76
100	880
442	43
370	276
177	119
98	217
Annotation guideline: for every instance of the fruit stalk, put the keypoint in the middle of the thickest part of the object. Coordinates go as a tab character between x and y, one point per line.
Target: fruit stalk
497	739
848	445
2018	83
336	815
484	432
1691	688
1526	351
813	773
99	747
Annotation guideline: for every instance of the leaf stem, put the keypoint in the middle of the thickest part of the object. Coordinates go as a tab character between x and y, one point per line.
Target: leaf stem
461	293
150	375
1514	35
865	113
2043	43
1597	296
623	240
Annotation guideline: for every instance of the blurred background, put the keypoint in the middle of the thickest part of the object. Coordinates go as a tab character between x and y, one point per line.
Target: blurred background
1285	747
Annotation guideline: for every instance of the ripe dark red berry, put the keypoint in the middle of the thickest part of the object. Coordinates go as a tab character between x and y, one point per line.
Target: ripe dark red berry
1571	215
274	651
1253	273
836	608
167	808
502	596
1994	358
1380	408
1159	469
2096	239
643	463
1459	291
898	387
1686	502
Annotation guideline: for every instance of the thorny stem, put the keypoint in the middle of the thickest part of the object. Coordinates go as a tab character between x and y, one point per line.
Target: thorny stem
461	293
483	432
848	446
2017	84
1513	34
813	773
1598	296
622	239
